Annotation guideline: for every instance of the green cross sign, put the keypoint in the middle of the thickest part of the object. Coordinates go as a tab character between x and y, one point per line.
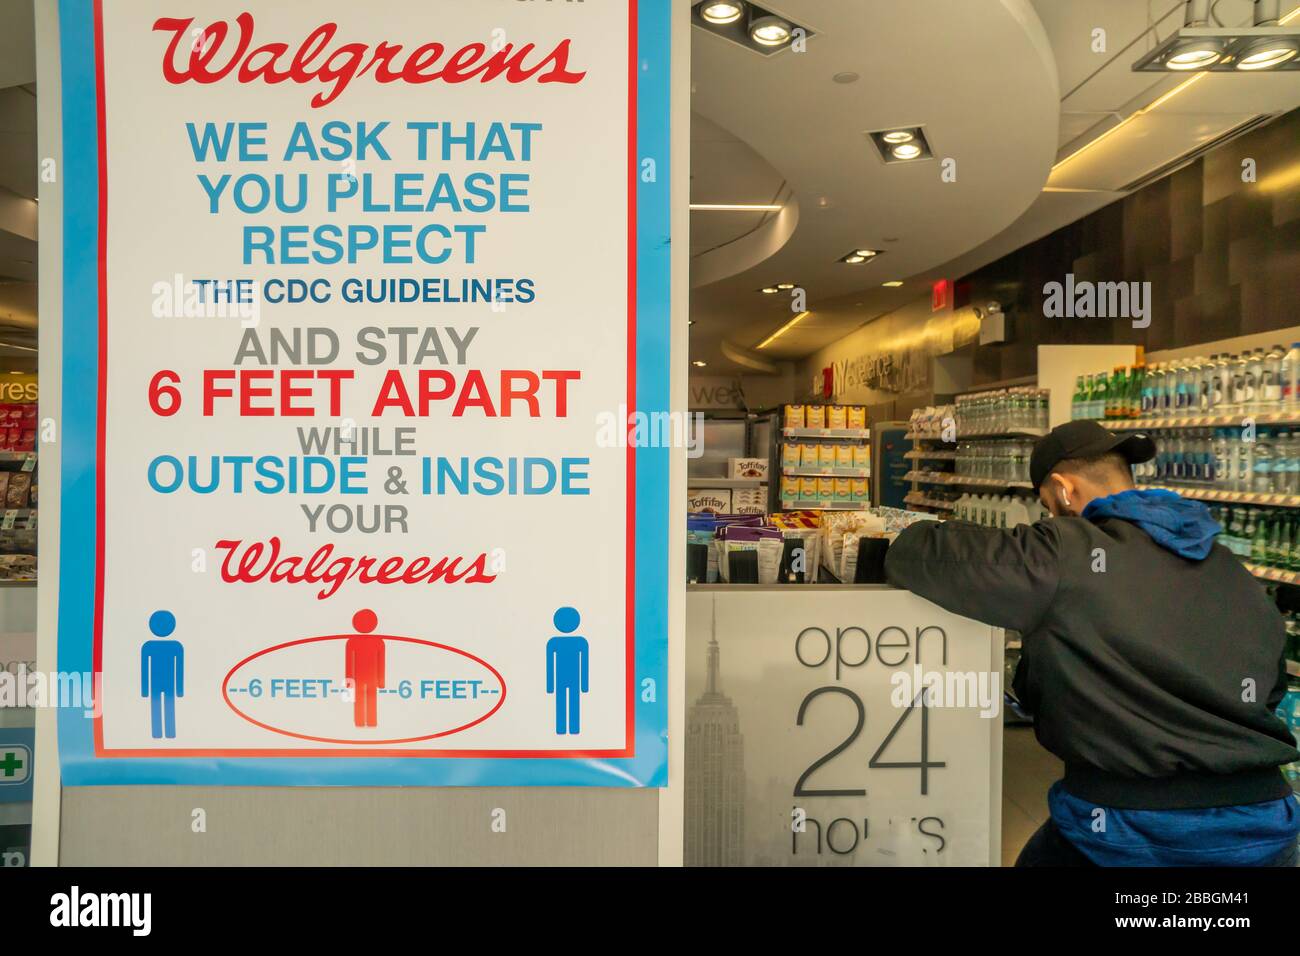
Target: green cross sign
10	763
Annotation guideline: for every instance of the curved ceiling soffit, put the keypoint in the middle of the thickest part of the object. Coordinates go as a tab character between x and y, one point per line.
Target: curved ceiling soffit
1020	29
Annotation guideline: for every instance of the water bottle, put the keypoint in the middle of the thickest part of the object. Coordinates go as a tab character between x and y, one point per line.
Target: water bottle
1222	462
1270	388
1290	375
1254	371
1263	464
1239	383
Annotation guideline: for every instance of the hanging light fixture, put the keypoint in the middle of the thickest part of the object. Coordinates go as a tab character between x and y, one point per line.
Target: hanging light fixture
1268	45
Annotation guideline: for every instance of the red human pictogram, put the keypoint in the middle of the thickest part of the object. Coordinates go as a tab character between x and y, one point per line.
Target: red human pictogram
364	668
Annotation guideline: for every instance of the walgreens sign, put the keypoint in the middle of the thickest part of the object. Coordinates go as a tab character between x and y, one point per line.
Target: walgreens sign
218	51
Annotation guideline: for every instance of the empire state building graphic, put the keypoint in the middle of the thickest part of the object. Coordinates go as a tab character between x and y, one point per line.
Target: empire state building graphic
715	776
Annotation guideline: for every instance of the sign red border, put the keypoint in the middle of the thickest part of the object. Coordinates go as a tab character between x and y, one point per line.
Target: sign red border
629	747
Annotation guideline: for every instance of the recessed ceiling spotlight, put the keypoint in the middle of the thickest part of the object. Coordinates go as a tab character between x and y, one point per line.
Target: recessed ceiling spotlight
848	76
722	11
747	24
784	286
893	285
865	253
770	31
901	144
1196	56
699	364
859	255
854	260
770	290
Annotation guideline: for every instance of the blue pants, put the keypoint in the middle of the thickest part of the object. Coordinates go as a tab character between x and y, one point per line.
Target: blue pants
161	713
567	703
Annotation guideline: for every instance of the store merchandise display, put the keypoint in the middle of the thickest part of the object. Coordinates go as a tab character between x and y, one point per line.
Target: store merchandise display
18	426
824	457
1261	460
1002	411
998	511
1001	460
1266	537
1259	381
793	547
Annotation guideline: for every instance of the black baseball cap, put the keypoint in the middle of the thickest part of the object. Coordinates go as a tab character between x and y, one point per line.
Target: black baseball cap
1085	439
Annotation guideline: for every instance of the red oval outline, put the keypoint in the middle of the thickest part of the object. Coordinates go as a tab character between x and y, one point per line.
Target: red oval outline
362	743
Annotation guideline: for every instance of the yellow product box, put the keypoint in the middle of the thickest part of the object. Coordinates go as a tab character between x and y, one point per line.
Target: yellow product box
794	416
815	416
790	455
860	489
826	488
807	488
843	489
861	456
836	417
808	456
826	456
789	488
844	456
857	416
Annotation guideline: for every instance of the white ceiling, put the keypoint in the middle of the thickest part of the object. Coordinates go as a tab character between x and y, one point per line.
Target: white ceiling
1006	87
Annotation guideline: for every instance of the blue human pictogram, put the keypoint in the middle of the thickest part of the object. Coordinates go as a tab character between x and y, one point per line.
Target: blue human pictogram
162	674
567	660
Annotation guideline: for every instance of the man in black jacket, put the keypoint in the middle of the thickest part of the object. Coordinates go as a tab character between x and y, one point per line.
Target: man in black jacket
1151	659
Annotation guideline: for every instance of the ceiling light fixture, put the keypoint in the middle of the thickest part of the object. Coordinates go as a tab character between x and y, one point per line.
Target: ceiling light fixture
722	11
783	329
1200	47
901	144
757	29
770	31
784	286
735	207
699	364
893	285
769	290
859	255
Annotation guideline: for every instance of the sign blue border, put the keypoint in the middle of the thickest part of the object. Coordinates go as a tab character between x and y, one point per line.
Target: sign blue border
80	766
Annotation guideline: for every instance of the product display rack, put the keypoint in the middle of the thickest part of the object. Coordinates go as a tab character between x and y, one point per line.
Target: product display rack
784	435
926	451
1286	417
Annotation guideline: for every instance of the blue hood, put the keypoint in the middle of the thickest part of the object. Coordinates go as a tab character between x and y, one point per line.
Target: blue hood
1181	526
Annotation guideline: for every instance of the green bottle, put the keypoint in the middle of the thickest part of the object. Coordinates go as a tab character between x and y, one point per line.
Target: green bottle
1076	403
1099	406
1293	559
1259	541
1278	544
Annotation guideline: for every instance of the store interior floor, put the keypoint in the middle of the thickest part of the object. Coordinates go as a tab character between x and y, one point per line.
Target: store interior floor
1027	772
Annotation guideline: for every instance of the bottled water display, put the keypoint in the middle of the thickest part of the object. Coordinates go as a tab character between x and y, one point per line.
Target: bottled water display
1222	459
1252	382
997	460
1003	411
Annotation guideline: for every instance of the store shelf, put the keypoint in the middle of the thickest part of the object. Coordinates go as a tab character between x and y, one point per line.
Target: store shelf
996	436
931	455
1202	421
941	478
855	433
1231	497
922	500
822	504
725	482
18	458
1272	574
827	472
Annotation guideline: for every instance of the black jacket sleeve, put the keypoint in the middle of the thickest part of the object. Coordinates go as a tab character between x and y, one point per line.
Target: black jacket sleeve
1003	578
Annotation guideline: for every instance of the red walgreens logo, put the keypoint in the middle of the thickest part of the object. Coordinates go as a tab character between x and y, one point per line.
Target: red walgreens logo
316	60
